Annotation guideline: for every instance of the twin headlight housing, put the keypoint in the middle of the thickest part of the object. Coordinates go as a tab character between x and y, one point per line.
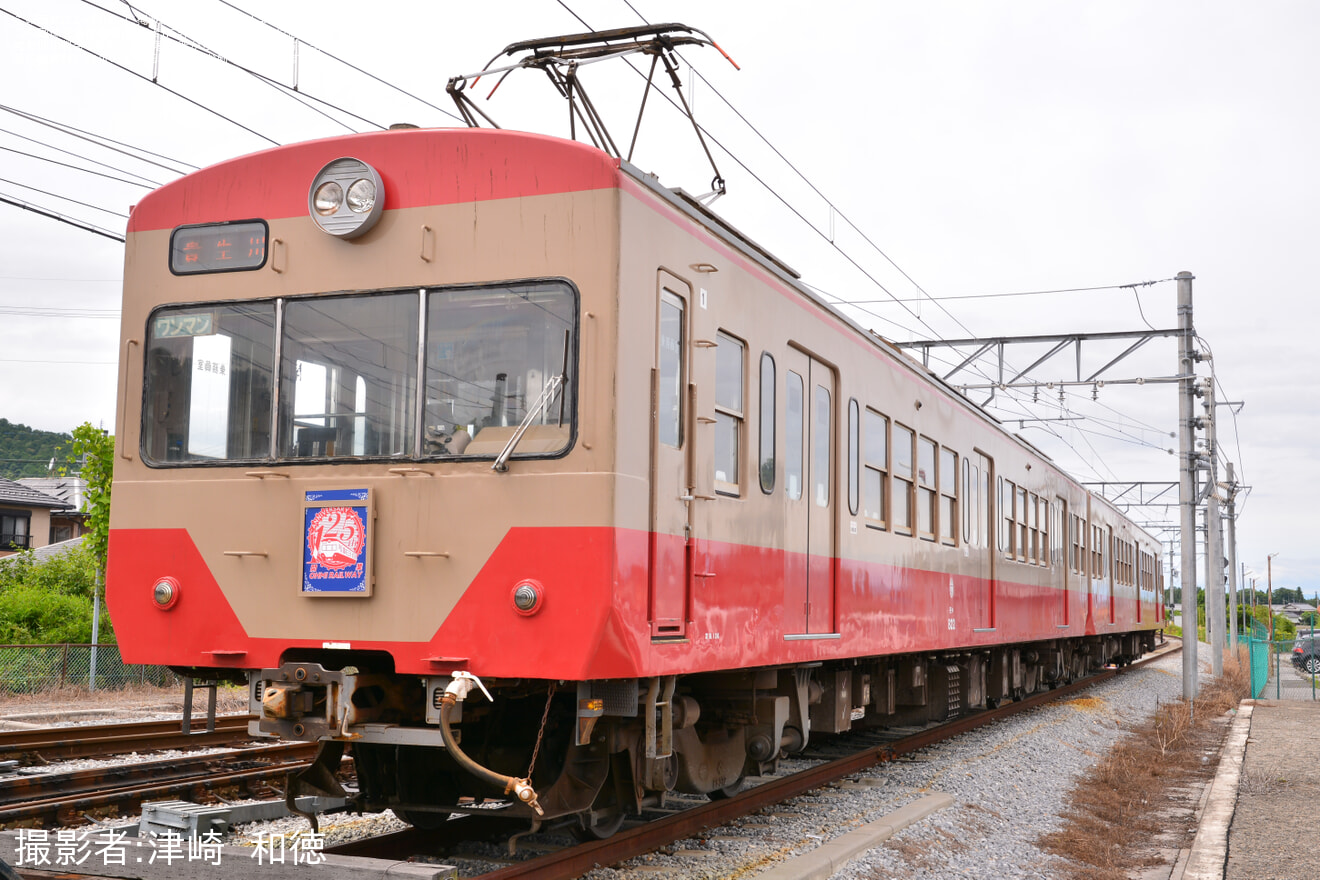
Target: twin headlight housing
346	198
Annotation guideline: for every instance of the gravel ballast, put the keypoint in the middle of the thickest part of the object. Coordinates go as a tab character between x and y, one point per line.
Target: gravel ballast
1009	782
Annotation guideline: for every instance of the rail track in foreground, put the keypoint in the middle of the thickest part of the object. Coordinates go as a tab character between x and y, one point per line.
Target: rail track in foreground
44	745
632	842
61	798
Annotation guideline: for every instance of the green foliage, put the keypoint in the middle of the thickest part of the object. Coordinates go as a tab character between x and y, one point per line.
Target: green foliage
71	572
1284	628
94	452
26	452
1309	619
49	600
30	615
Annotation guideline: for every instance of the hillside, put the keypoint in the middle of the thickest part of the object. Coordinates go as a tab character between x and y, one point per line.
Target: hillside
25	452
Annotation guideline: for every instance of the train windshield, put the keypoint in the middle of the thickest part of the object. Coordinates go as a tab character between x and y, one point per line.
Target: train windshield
347	375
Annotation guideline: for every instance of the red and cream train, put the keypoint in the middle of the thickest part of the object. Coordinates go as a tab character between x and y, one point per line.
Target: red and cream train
525	477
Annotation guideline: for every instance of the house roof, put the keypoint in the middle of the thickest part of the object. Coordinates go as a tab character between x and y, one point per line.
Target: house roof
17	495
47	551
70	490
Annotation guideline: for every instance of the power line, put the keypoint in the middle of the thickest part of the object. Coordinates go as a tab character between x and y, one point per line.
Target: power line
1028	293
56	312
134	73
137	153
348	64
182	39
64	198
53	215
78	168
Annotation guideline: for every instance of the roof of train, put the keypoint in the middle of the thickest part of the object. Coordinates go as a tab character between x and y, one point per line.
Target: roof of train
526	164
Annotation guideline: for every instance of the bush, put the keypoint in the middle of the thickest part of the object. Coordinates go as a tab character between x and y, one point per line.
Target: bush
49	600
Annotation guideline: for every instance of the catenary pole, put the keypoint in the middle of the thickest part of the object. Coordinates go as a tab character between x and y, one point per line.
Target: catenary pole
1214	540
1187	480
1231	546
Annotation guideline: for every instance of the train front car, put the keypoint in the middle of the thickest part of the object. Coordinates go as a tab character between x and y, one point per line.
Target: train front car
528	479
363	452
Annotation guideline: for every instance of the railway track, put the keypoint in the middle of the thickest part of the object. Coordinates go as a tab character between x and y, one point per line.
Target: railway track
62	798
61	743
632	842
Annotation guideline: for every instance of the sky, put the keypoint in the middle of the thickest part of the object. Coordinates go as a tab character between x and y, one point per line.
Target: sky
915	159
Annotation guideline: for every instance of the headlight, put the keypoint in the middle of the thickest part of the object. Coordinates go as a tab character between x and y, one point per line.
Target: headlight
361	196
346	198
329	196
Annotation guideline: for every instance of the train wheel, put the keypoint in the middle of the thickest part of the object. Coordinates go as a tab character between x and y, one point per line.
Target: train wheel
605	816
423	820
727	791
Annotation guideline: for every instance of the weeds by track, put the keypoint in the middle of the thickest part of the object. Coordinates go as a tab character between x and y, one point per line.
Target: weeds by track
1117	811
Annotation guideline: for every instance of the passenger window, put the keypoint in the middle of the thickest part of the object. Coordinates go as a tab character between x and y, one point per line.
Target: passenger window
948	496
328	345
210	378
903	478
877	468
854	452
767	461
493	356
794	439
728	413
926	488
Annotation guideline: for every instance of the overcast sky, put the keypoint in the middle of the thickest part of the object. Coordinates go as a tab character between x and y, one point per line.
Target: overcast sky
984	148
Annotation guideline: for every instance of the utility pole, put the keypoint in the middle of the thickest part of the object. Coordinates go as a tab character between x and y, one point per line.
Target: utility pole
1214	539
1232	557
1187	478
1269	589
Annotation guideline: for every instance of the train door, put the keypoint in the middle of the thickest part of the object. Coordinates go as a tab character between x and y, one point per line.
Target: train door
809	487
671	484
979	518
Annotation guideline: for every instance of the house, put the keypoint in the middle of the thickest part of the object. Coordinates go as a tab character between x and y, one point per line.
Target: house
1292	611
69	522
25	516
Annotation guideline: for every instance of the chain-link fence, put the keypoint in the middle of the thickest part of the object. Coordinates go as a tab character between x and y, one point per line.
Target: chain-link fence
1284	669
33	668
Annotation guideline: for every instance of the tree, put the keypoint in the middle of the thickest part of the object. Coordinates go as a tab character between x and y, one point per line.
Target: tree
93	450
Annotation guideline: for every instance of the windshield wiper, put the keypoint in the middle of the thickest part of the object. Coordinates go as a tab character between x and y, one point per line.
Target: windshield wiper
547	395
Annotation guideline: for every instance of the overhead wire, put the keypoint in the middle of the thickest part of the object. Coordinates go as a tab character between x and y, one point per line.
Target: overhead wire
301	97
348	64
147	180
55	215
134	73
137	153
65	198
833	208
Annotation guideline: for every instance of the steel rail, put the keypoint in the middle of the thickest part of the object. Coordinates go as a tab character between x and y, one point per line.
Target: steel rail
108	739
57	809
32	787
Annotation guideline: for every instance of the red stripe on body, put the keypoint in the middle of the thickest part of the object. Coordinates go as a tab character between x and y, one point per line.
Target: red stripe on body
594	620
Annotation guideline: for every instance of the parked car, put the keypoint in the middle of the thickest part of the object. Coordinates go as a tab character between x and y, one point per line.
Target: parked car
1306	654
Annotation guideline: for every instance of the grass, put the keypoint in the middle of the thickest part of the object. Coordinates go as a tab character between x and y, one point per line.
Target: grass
1115	813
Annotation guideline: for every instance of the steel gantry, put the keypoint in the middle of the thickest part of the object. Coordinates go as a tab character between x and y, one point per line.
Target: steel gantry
1198	482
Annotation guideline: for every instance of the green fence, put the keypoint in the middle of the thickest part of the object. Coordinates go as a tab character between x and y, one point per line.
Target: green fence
1273	673
33	668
